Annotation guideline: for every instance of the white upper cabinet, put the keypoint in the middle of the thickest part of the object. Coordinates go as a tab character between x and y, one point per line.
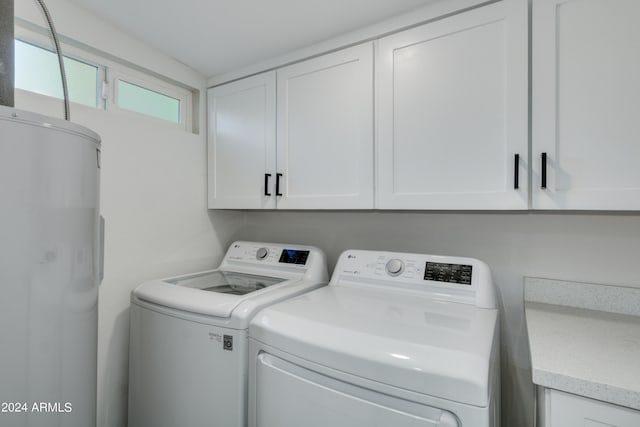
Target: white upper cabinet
242	143
452	112
325	131
586	104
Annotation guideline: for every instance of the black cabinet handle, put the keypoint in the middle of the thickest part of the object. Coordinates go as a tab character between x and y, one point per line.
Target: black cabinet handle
516	171
266	184
543	183
278	175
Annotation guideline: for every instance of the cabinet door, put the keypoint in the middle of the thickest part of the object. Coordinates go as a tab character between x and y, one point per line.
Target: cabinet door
586	104
568	410
242	143
452	112
325	131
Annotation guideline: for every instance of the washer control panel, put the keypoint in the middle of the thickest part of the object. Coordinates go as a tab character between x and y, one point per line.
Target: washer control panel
268	254
394	267
262	253
282	260
294	256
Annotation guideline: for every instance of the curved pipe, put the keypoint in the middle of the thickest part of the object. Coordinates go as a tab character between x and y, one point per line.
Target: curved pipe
56	42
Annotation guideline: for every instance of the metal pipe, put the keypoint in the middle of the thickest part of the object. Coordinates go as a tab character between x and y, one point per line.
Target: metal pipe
56	42
7	56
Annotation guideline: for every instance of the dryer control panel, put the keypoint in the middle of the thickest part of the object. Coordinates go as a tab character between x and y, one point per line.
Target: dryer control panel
458	279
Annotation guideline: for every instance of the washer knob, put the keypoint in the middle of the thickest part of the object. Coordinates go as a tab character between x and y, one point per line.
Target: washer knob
395	267
262	253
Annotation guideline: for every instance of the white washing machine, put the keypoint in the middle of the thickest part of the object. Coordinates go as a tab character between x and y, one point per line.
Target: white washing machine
395	340
189	345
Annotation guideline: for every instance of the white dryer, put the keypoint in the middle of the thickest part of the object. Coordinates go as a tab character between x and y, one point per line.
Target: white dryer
394	340
189	345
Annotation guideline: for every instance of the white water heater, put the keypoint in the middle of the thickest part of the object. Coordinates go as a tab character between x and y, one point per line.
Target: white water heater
50	268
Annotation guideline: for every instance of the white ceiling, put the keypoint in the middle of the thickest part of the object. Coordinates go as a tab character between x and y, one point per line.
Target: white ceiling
216	36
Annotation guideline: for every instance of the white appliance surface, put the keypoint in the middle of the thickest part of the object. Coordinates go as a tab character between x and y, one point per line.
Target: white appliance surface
208	292
397	339
50	267
189	340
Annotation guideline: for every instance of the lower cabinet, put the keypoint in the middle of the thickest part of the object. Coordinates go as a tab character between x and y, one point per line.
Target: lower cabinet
560	409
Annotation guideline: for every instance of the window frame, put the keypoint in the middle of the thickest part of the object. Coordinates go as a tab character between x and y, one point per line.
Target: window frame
109	72
70	54
153	84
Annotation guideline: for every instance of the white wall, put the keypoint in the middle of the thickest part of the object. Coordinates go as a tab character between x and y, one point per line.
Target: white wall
601	248
80	26
153	194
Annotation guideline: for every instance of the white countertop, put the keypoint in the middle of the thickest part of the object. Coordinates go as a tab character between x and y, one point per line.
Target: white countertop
591	353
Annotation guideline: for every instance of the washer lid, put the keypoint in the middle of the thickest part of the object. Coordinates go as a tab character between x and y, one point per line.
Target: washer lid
225	282
442	349
214	293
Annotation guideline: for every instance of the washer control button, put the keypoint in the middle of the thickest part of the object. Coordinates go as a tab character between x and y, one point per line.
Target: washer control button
395	267
262	253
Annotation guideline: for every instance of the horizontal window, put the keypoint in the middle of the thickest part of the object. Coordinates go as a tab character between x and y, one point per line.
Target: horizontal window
37	70
136	98
101	82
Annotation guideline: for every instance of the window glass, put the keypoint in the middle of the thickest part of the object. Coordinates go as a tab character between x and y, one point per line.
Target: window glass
37	70
142	100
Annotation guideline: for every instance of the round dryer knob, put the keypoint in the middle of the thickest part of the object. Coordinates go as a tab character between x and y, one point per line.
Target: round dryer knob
262	253
395	267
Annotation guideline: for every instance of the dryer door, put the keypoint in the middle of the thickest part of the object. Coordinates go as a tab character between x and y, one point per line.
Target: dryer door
289	395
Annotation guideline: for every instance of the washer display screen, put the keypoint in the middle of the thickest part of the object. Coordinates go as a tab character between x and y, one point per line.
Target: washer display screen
449	273
292	256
